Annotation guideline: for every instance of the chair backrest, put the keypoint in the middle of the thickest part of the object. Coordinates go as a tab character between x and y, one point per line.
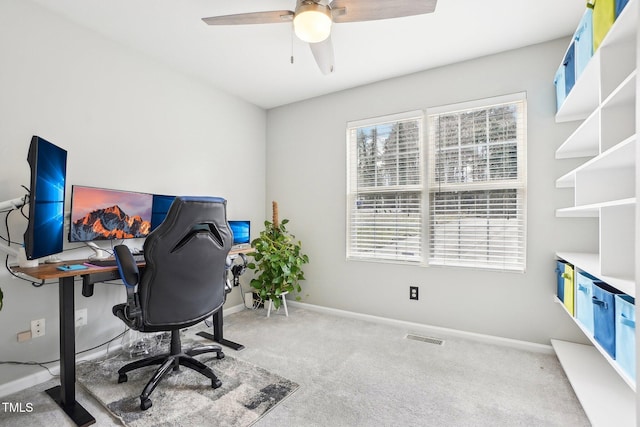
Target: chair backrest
184	278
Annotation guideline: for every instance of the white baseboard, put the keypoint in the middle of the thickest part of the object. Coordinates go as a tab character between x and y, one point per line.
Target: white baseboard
428	329
234	309
43	375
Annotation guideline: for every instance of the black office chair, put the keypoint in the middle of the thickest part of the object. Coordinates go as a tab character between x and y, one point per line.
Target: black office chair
182	283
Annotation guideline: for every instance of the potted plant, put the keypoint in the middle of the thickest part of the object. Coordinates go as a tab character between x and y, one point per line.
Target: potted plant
278	261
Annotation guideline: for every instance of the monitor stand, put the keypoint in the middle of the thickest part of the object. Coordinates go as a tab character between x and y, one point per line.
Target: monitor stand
52	259
99	253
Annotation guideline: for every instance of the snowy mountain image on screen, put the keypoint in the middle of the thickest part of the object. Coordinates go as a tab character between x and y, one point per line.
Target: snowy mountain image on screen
107	224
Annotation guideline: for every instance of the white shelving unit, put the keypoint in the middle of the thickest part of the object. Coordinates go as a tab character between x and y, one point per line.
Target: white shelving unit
604	100
589	372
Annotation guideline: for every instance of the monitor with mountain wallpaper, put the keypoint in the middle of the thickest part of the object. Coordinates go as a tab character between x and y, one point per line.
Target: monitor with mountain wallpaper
105	214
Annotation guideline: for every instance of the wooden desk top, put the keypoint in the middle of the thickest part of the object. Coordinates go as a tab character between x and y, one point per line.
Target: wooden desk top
50	271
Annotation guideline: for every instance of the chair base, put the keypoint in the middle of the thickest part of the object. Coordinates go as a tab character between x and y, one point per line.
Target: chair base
172	361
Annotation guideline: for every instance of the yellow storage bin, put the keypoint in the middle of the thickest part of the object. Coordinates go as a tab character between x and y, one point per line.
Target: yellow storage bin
604	13
569	289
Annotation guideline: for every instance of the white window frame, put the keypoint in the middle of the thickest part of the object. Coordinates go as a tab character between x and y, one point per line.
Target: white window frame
505	191
453	245
359	247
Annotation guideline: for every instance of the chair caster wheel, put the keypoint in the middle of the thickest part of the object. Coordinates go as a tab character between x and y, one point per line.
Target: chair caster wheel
216	383
122	378
145	404
220	355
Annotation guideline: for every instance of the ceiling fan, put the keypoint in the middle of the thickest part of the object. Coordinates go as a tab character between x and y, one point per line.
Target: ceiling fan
312	20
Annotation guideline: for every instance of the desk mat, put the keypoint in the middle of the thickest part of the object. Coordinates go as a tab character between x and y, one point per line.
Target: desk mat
185	398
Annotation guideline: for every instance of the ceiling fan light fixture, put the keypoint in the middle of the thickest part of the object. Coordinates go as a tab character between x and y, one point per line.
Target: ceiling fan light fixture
312	22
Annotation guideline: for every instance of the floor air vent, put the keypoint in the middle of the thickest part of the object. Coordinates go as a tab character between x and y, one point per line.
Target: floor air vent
430	340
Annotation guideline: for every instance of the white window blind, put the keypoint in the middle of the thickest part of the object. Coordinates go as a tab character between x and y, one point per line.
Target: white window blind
385	188
477	185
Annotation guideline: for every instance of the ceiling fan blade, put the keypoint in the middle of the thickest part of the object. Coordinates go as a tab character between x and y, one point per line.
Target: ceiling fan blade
323	54
272	17
371	10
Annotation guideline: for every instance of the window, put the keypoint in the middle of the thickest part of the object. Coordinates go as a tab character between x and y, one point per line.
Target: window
469	194
385	188
477	184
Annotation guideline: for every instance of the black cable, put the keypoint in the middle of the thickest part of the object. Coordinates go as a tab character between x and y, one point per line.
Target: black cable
6	259
35	284
42	364
22	211
6	224
120	335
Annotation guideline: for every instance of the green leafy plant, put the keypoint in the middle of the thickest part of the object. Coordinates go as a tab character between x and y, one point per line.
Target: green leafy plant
278	261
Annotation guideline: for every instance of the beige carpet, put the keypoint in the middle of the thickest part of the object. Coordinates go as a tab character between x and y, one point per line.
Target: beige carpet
185	398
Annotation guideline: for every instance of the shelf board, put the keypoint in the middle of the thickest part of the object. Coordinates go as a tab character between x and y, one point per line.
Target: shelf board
624	94
614	365
590	263
592	210
589	211
620	156
605	397
584	97
584	141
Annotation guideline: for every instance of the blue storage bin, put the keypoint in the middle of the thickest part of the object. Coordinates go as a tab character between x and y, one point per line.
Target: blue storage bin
560	279
561	93
569	69
604	316
626	334
584	303
620	4
583	40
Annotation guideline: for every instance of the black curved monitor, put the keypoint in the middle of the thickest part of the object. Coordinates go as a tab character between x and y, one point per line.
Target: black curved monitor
45	230
159	209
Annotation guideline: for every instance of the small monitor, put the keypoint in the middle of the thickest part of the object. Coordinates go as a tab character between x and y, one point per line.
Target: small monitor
105	214
241	232
45	230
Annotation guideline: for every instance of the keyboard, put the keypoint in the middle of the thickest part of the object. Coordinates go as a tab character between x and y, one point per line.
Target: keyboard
111	262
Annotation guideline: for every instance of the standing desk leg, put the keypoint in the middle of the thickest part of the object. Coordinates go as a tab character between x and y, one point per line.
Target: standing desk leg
65	393
217	333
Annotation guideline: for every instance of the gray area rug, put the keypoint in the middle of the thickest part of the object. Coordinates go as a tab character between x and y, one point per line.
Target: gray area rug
185	398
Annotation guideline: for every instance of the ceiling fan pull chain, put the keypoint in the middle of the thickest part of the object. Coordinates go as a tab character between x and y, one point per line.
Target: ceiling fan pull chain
291	44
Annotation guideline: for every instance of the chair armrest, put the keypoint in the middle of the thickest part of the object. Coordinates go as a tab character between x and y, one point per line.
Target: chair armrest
127	266
130	275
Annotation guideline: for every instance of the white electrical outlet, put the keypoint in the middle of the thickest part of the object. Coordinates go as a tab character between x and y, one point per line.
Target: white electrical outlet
37	328
81	317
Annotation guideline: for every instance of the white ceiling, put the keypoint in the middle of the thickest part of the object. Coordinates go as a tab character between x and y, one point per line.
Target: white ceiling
253	61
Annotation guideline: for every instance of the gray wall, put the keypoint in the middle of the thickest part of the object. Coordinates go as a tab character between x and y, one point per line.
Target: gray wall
131	123
306	172
128	123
